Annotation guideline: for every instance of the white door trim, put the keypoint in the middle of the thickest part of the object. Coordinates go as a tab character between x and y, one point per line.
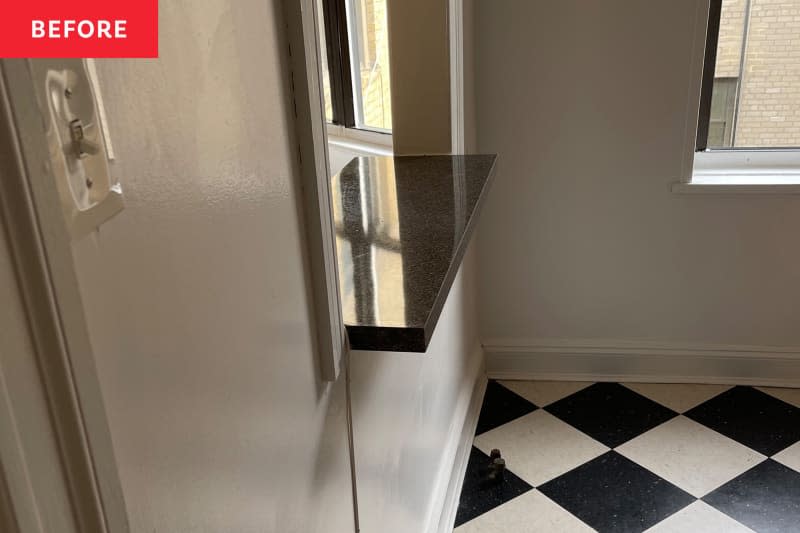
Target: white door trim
456	35
41	250
315	174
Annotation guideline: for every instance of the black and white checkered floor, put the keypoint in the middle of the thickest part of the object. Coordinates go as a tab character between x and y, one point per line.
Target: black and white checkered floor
612	457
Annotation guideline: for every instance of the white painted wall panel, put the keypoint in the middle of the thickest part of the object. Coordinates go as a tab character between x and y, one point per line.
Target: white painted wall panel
197	293
585	103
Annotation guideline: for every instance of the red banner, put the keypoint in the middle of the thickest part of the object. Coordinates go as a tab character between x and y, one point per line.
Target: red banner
84	28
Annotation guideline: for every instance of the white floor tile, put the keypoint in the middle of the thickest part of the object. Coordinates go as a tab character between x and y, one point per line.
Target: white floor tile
538	446
791	396
698	517
543	393
689	455
790	456
679	398
533	512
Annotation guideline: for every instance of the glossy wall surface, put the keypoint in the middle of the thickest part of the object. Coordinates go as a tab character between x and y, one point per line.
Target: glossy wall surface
197	293
582	237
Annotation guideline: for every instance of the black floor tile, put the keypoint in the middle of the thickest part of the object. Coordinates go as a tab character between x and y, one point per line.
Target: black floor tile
478	497
610	413
751	417
613	494
766	498
500	406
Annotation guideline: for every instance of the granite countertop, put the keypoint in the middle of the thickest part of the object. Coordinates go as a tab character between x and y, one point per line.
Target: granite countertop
402	226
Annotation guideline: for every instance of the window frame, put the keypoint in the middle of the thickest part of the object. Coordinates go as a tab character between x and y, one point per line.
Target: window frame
709	67
346	105
337	44
707	92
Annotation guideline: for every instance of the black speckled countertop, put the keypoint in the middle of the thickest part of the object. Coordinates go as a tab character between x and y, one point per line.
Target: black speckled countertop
402	226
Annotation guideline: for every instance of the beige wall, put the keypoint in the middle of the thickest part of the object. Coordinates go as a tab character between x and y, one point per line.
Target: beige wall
197	293
581	236
420	66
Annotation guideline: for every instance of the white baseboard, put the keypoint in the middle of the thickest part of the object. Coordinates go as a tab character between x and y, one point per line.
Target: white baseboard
645	361
459	447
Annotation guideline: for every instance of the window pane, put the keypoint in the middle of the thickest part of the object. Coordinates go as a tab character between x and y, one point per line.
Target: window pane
369	49
756	97
723	102
323	54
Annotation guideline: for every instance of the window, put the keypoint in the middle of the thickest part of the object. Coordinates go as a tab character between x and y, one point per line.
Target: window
748	130
723	105
355	65
752	75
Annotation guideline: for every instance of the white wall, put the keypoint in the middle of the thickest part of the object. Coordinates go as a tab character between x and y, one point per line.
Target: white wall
409	410
408	413
197	293
585	103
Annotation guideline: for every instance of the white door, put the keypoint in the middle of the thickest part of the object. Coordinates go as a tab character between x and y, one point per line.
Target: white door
196	296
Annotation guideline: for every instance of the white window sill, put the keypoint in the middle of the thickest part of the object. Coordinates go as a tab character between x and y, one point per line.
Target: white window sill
732	183
371	142
744	172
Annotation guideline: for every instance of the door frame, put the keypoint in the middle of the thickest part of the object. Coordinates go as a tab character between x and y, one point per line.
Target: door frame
315	174
40	248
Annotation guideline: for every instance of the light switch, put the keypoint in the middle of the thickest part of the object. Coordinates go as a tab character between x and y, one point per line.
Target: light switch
78	155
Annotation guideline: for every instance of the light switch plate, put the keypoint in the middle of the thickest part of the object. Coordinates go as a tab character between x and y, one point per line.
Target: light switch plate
77	142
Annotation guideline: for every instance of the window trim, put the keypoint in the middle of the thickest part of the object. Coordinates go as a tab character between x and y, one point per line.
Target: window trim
375	137
314	168
709	66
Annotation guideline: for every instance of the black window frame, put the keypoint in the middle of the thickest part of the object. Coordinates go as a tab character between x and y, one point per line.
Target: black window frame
339	68
709	66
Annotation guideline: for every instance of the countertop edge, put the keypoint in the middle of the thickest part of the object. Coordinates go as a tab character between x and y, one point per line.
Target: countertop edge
387	339
416	339
458	259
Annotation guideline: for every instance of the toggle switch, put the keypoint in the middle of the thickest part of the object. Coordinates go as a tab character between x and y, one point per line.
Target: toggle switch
69	95
83	146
